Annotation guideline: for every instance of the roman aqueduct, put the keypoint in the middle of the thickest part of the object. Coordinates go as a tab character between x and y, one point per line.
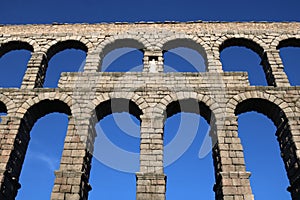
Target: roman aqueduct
159	95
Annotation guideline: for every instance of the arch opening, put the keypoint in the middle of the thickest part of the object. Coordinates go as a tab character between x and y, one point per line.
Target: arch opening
124	59
43	156
291	42
116	147
64	56
117	105
261	156
186	130
184	55
14	45
239	54
190	106
63	45
122	55
69	60
22	140
3	110
14	56
263	108
242	42
290	52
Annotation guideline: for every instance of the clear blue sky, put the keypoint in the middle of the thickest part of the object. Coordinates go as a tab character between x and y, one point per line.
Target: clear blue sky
189	177
32	11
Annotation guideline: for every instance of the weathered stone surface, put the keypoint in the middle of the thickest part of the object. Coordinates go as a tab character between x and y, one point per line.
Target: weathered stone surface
152	96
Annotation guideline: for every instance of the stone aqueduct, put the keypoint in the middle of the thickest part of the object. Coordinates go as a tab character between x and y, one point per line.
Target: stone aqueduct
152	97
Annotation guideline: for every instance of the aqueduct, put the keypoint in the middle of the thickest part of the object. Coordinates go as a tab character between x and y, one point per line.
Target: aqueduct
151	96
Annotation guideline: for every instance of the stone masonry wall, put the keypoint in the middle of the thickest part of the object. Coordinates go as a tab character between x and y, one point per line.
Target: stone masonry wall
86	95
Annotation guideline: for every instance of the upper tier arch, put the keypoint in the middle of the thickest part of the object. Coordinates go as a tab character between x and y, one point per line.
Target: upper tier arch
254	45
193	43
120	41
58	46
18	43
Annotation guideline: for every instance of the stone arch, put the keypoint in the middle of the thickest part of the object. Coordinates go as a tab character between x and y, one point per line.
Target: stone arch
115	105
289	42
62	101
131	96
161	107
17	43
244	38
114	102
119	41
277	45
29	113
279	112
235	100
7	105
51	96
55	46
256	45
206	106
264	106
106	104
196	103
285	40
188	41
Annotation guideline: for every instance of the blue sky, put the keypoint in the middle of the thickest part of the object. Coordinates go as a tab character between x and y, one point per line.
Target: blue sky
189	177
32	11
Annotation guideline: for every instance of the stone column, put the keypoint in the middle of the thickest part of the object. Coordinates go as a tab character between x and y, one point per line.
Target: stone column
213	60
72	177
288	136
151	180
14	142
36	70
232	179
92	63
273	68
